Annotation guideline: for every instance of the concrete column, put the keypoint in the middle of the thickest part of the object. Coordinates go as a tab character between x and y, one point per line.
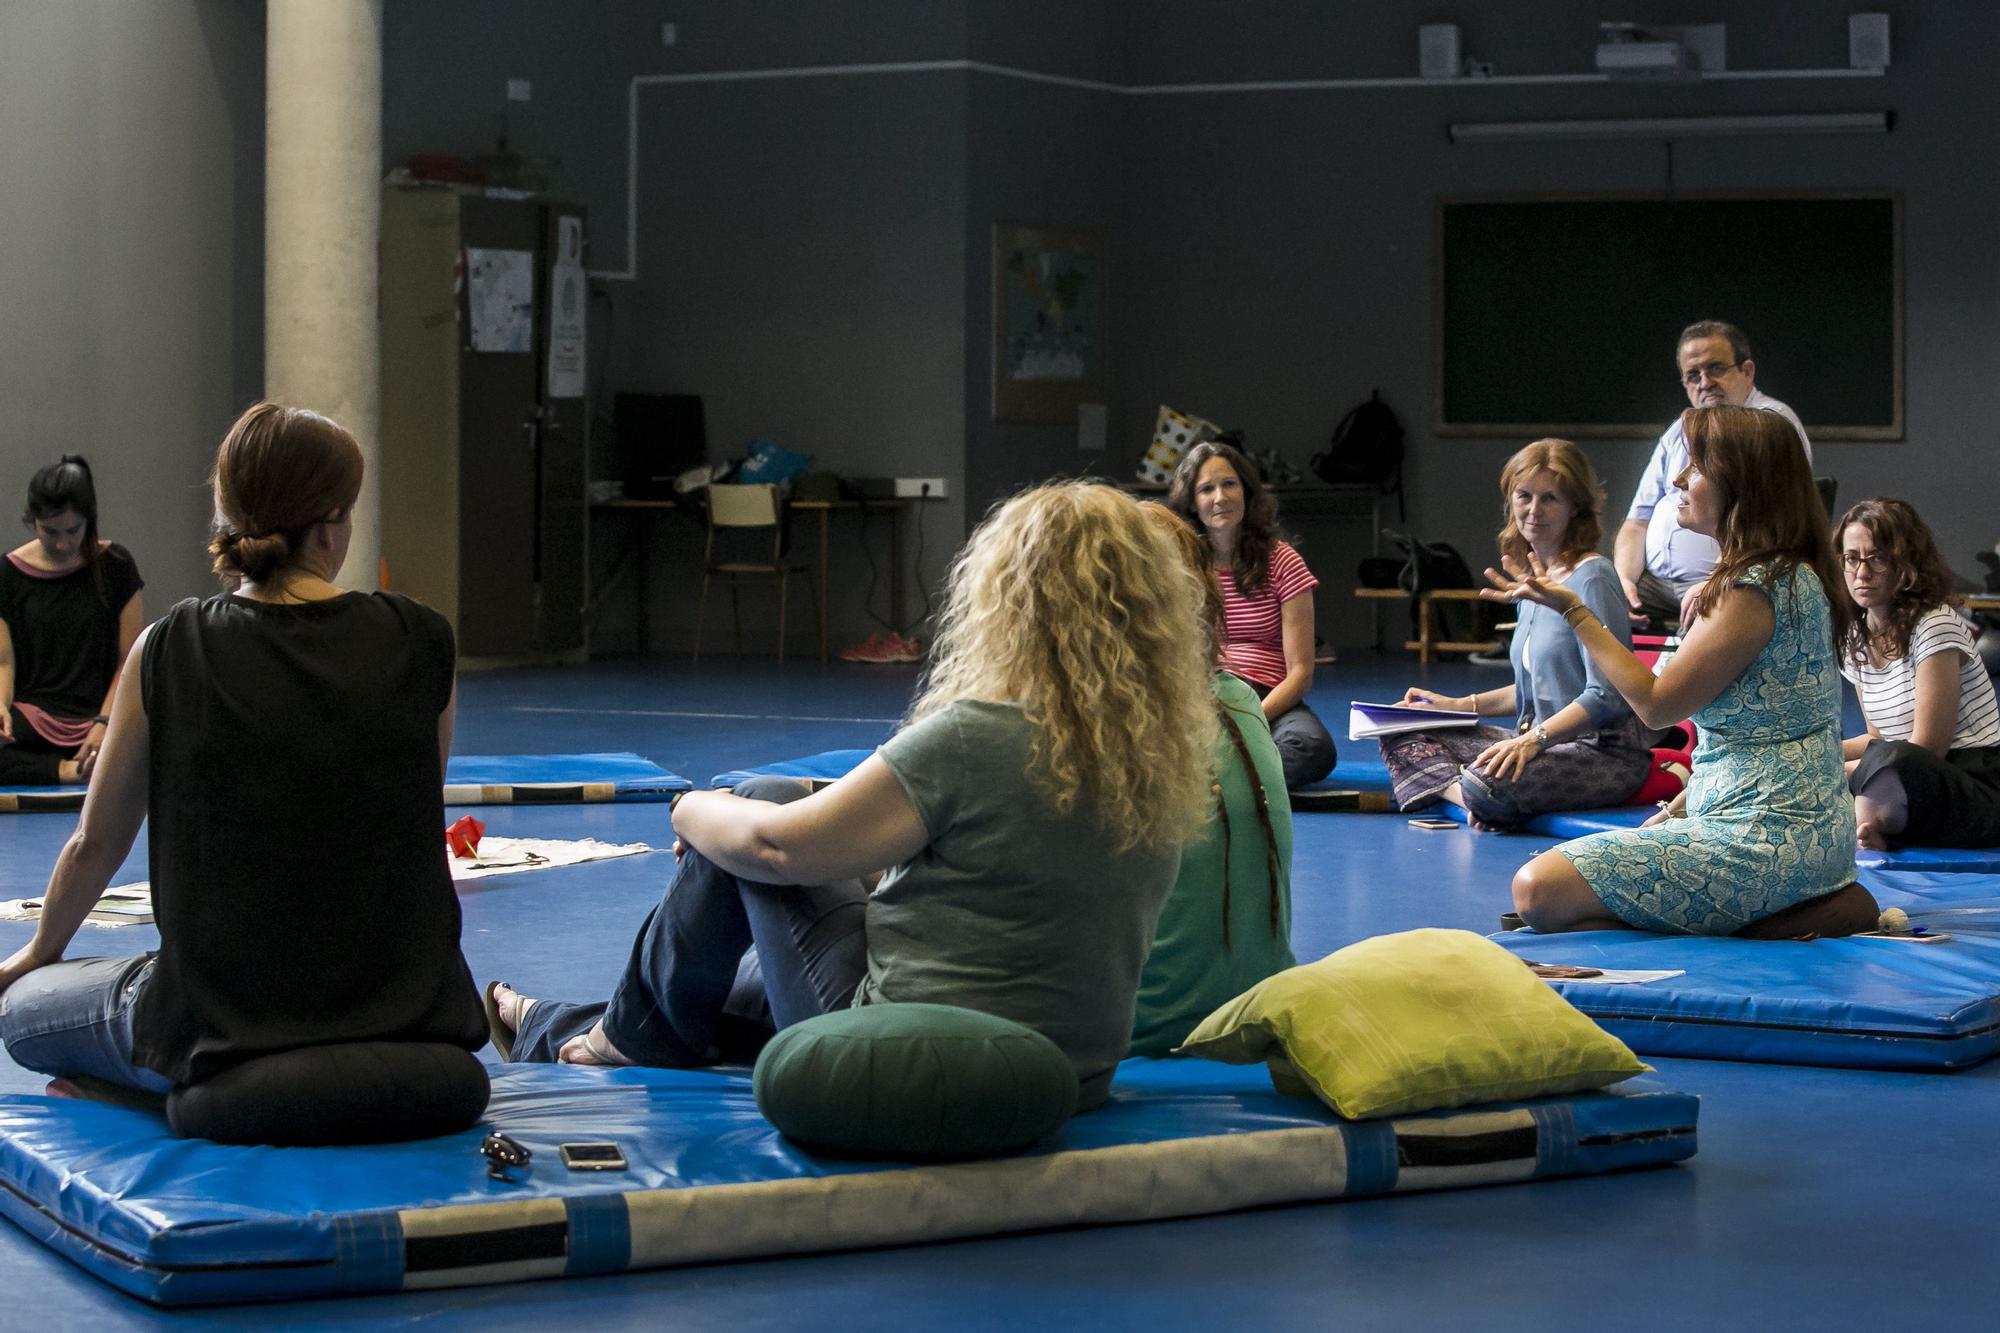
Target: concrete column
322	217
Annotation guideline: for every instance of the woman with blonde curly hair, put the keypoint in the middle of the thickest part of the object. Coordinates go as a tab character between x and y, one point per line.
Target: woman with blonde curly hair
1571	742
1927	770
1030	814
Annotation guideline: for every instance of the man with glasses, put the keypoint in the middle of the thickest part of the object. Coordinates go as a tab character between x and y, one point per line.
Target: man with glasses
1658	560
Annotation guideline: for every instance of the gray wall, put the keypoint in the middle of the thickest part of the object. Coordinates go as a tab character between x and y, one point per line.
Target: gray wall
1294	230
800	250
126	337
813	255
1038	154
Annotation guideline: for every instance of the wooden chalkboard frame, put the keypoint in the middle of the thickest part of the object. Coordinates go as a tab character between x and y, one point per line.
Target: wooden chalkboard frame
1819	430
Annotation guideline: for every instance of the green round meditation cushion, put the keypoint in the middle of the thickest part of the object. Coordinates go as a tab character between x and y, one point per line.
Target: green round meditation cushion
919	1082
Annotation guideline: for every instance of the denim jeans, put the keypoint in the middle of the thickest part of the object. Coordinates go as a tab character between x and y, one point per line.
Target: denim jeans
688	972
74	1019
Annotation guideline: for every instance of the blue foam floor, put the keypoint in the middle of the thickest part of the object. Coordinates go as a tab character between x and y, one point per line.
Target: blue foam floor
1821	1198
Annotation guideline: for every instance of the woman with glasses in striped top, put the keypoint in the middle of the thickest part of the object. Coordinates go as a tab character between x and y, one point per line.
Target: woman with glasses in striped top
1926	772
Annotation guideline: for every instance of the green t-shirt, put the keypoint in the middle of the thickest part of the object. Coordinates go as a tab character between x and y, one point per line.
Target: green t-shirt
1190	974
1011	909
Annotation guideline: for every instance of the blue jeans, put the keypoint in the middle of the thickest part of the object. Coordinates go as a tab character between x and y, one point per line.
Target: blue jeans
691	969
74	1019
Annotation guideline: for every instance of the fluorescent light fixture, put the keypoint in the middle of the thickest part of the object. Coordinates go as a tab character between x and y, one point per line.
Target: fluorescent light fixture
1670	127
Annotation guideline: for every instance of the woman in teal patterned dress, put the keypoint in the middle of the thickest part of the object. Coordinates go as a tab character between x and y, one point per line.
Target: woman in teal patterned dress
1766	823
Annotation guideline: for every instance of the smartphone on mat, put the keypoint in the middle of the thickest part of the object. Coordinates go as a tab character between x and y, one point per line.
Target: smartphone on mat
593	1156
1434	823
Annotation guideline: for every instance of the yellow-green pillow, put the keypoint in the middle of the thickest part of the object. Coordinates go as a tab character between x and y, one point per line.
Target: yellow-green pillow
1411	1022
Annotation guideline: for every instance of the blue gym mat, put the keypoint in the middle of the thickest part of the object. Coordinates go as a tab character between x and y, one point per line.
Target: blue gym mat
1580	823
1857	1003
32	800
1365	772
1567	823
477	779
1360	768
557	779
815	770
183	1222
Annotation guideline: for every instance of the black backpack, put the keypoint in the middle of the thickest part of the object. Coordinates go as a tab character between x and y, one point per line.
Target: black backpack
1366	449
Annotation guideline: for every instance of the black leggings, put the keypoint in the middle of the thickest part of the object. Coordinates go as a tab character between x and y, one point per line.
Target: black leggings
30	761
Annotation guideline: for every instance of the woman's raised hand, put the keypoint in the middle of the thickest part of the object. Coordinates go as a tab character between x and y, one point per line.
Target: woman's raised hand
1532	584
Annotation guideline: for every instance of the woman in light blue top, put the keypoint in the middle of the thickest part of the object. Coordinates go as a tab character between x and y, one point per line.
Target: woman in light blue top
1573	743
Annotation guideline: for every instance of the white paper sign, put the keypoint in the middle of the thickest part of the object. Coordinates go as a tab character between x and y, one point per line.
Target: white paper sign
569	301
500	299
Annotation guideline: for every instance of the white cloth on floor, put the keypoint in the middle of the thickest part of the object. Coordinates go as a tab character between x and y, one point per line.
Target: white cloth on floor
132	904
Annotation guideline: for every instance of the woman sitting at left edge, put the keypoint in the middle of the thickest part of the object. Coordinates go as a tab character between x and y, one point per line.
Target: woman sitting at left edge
69	611
286	742
1030	817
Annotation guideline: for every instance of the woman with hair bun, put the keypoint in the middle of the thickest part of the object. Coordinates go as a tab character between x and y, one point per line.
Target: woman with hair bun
286	741
1030	815
69	611
1927	770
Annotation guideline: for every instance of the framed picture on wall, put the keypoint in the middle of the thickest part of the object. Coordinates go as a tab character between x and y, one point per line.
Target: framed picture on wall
1048	308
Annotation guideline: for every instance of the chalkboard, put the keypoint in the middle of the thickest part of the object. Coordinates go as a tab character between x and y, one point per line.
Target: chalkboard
1558	316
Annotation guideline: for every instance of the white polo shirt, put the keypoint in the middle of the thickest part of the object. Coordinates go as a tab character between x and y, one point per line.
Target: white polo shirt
1672	552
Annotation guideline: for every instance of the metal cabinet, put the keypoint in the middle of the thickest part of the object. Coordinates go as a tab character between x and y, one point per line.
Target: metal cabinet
484	506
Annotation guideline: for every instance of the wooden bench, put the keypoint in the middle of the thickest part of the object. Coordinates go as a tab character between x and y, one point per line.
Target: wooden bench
1427	641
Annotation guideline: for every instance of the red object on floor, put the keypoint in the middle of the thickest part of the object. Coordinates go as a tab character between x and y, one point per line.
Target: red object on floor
883	648
1669	776
463	837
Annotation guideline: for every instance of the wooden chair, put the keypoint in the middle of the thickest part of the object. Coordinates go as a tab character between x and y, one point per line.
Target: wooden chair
1430	631
750	508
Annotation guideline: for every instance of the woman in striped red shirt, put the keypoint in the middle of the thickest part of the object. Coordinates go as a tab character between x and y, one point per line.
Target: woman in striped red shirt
1267	635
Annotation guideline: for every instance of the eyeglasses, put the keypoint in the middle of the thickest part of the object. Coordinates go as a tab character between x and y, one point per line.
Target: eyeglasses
1714	370
1852	560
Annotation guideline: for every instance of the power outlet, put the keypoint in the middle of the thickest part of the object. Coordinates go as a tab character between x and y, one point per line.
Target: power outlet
920	488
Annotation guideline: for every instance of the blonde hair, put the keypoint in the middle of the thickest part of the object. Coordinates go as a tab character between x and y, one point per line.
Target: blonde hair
1579	486
1066	602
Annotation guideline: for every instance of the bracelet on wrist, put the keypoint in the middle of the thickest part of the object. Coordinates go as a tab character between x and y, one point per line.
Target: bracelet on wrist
101	719
1574	616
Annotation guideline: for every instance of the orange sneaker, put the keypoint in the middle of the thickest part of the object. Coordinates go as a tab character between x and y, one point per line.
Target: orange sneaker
874	648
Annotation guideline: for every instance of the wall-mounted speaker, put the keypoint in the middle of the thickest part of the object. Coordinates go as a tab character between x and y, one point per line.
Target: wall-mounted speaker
1438	54
1868	41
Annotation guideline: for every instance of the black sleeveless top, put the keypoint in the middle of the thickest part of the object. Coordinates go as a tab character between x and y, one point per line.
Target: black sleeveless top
65	630
297	833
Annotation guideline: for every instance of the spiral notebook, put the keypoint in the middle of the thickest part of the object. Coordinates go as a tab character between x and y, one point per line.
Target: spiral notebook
1369	720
